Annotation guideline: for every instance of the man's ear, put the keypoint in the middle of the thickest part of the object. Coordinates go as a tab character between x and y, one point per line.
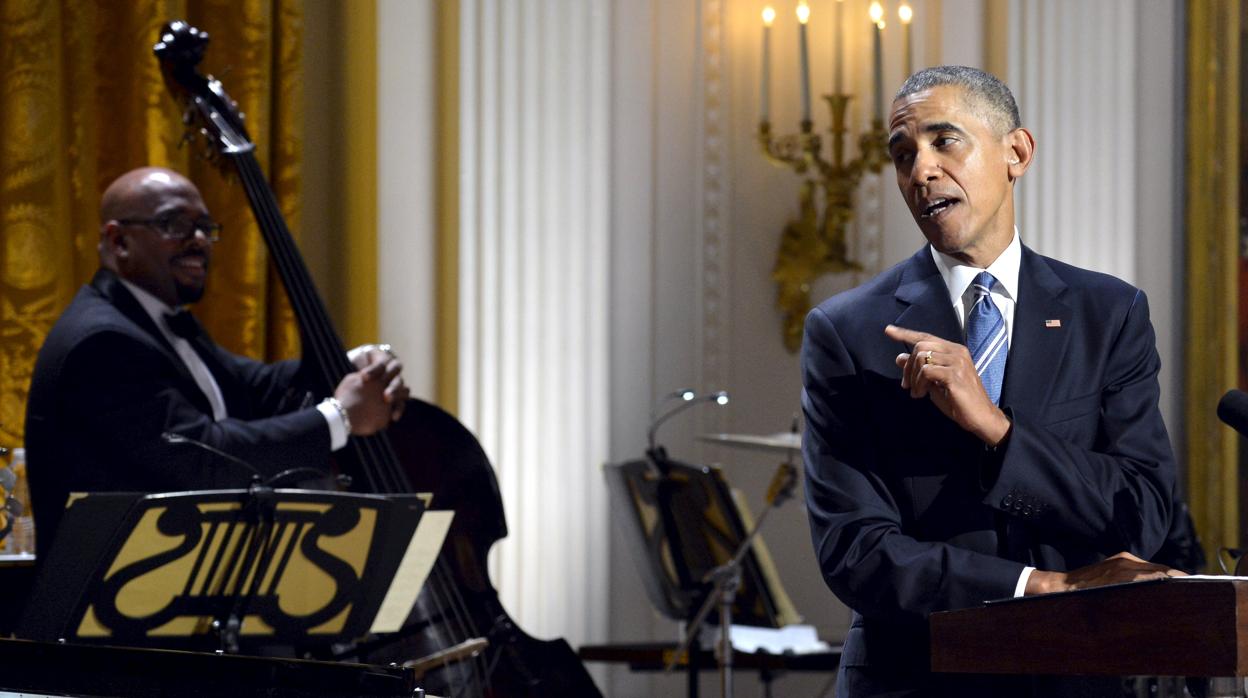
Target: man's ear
1020	150
113	240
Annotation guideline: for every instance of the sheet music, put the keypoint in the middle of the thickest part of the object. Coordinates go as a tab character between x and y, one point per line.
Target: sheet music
422	552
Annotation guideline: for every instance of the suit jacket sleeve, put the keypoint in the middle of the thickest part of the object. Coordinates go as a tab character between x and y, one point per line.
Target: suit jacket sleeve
1099	467
865	556
143	400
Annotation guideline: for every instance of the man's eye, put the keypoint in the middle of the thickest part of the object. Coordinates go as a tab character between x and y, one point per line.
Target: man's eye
901	157
942	141
166	222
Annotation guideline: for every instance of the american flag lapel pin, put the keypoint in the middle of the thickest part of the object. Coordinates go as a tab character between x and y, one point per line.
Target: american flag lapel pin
1052	323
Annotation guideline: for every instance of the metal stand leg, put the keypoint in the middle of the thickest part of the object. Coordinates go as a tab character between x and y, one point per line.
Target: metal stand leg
693	673
727	579
727	596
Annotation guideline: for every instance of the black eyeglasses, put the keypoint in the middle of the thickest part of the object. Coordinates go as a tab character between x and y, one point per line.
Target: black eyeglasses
178	228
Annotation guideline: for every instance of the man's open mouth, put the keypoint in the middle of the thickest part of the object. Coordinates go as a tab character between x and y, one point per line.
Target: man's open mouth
936	207
195	262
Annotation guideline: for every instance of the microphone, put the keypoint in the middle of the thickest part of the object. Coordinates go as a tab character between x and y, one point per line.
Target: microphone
719	398
178	439
685	394
257	478
1233	410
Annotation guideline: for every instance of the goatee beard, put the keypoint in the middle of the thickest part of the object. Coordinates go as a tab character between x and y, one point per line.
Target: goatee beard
189	294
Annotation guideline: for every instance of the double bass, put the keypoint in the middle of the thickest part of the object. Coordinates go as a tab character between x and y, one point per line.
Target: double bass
428	450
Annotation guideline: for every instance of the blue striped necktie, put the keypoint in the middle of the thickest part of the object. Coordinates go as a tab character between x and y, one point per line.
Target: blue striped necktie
986	337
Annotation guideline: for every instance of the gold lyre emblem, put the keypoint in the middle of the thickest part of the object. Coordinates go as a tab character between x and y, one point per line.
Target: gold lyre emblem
296	569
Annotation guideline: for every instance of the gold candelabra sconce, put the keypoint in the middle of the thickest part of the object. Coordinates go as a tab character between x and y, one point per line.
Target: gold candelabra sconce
813	245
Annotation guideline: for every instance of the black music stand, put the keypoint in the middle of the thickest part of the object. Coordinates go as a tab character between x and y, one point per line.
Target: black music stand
227	569
681	522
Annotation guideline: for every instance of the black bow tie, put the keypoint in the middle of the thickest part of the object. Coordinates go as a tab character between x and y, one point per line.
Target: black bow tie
183	324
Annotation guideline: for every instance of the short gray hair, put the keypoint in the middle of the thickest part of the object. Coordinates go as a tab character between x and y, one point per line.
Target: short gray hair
981	87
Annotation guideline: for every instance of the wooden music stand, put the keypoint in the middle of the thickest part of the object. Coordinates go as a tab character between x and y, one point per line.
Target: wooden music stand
1180	626
224	568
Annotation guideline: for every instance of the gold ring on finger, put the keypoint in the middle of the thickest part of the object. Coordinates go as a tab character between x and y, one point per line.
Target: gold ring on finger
927	357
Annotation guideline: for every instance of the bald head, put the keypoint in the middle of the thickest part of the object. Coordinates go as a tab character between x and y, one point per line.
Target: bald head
138	192
135	212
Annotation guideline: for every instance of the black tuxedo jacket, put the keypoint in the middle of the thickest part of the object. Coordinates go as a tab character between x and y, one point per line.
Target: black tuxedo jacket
910	514
107	384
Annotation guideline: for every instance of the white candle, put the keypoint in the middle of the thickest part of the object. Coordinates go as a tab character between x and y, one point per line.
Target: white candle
769	16
803	16
877	34
906	14
838	66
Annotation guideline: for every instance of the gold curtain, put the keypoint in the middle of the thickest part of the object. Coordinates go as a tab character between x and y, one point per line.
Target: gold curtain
82	101
1212	216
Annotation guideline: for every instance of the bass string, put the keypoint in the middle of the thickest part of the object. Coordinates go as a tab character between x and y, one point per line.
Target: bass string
323	343
375	454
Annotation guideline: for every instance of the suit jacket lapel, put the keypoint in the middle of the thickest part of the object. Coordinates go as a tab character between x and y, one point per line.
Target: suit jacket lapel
928	307
1037	346
109	285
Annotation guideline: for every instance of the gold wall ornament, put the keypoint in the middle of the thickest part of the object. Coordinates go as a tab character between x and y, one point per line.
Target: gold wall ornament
814	243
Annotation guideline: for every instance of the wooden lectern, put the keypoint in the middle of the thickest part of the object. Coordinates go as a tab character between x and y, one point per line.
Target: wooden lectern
1181	626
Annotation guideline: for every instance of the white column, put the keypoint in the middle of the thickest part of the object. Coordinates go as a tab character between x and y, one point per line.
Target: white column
1100	85
405	188
1073	71
533	296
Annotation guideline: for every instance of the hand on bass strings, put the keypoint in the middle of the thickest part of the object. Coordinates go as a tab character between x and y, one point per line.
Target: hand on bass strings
396	392
366	396
943	371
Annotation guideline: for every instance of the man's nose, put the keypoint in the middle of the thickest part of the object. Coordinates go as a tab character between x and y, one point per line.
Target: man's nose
926	167
199	239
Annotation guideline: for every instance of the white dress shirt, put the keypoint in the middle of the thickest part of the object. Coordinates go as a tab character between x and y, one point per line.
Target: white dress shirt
958	277
157	310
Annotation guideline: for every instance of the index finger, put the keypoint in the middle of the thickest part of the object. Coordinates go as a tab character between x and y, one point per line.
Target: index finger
910	337
393	368
374	370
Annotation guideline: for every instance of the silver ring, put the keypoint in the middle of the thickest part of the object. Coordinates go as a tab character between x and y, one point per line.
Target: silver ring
388	350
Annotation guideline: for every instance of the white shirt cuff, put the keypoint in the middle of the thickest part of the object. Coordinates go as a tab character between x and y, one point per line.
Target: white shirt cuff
337	430
1021	587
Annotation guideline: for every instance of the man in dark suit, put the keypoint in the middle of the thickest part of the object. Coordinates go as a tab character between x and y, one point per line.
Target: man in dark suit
121	369
982	421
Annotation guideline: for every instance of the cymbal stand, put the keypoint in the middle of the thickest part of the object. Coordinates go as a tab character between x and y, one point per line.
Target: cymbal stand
727	579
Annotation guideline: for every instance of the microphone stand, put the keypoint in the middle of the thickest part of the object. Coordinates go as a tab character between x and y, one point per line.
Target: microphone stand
656	456
257	510
727	579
